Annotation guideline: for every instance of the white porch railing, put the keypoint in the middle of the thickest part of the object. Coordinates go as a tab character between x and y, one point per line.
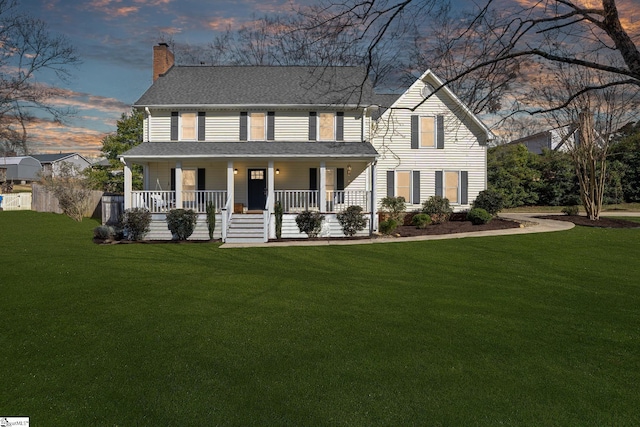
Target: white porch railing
298	200
163	201
198	200
337	201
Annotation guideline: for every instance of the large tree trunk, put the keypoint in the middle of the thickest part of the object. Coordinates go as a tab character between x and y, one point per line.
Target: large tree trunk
589	156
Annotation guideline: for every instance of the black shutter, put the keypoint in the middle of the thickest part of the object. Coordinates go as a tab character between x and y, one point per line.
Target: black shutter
464	187
201	179
173	179
174	125
339	126
440	132
415	195
271	122
439	184
243	126
312	126
201	120
415	135
391	184
313	178
340	184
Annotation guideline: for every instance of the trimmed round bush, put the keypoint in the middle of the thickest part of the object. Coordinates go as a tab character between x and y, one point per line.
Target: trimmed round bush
570	210
310	223
421	220
352	220
136	223
438	208
104	232
490	200
181	223
387	227
478	216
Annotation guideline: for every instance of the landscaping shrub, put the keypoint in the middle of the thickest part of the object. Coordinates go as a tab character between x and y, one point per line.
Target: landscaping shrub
104	232
136	222
352	220
181	223
478	216
278	211
490	200
421	220
394	207
438	208
570	210
211	219
310	223
387	227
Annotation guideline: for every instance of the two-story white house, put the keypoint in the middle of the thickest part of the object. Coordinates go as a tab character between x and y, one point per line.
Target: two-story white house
316	138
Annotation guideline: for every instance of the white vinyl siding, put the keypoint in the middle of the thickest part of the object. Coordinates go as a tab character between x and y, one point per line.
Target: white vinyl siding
222	126
462	149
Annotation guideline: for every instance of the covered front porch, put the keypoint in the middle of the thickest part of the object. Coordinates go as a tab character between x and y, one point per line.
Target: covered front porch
241	190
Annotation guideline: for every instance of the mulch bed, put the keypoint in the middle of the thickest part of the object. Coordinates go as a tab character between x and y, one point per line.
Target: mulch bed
586	222
452	227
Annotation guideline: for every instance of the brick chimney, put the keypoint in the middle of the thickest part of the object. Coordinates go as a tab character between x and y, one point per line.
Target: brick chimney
162	60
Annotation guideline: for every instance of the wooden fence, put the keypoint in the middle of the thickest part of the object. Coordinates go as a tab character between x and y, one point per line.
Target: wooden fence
43	201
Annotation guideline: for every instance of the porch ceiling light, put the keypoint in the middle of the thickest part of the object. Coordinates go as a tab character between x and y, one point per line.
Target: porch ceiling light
277	171
235	171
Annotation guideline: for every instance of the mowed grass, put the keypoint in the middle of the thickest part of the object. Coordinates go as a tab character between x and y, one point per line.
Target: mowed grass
517	330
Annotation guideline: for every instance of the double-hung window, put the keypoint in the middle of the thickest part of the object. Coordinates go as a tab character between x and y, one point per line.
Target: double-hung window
257	121
188	126
454	185
404	183
427	132
327	126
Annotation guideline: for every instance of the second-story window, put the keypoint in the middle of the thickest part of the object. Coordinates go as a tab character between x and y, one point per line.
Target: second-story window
327	126
188	126
258	127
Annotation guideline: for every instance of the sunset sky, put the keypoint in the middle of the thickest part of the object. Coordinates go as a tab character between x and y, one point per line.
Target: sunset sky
114	39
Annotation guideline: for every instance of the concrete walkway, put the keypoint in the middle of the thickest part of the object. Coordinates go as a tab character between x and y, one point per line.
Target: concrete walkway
529	224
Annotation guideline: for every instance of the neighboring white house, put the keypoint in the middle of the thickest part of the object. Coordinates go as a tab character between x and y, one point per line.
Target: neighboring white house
22	169
557	139
51	162
246	138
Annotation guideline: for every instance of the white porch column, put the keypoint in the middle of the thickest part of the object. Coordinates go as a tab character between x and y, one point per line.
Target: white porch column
374	198
323	187
128	179
145	176
270	187
230	184
179	185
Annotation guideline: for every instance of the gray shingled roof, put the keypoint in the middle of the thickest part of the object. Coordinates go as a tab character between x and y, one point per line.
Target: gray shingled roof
259	85
283	150
48	158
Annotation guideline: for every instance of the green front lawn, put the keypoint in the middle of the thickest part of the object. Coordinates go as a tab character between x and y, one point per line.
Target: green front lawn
517	330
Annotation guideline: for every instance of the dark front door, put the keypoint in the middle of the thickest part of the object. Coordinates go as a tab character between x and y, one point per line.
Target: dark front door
257	189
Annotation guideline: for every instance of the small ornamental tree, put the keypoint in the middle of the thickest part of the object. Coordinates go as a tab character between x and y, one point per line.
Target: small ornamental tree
310	223
352	220
181	223
71	189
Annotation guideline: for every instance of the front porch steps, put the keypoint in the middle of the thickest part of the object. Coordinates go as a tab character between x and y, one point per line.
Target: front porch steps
246	228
